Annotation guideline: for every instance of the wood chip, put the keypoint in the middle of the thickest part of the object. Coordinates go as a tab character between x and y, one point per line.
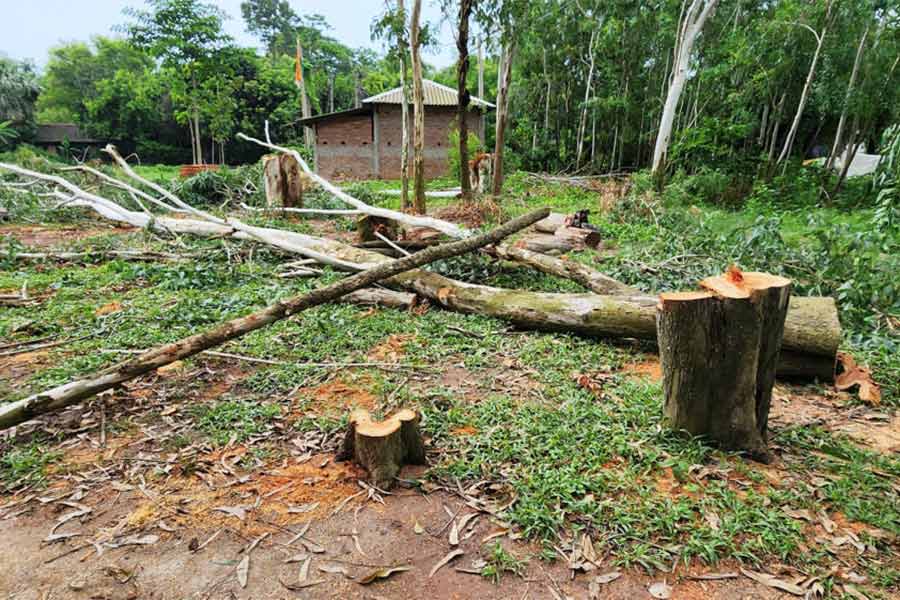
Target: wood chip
713	576
303	508
454	554
335	569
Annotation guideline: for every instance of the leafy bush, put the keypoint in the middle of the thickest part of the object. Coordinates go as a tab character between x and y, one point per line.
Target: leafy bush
474	145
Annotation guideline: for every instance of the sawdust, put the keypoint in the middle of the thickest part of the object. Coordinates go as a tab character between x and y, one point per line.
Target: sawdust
339	395
392	349
267	497
17	367
108	309
465	430
470	214
648	369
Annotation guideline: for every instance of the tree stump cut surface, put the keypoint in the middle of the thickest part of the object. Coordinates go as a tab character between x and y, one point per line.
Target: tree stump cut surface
719	348
383	447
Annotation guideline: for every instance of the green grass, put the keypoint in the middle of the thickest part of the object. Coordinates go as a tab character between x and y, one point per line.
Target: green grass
234	420
25	465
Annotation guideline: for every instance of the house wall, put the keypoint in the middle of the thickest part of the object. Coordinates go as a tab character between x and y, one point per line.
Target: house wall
439	121
345	144
344	147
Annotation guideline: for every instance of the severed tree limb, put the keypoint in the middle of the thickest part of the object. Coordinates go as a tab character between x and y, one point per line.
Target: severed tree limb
591	279
812	329
136	255
446	227
51	400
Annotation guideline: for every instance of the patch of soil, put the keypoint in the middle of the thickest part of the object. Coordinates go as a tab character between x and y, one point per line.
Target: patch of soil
49	237
17	368
649	369
392	349
339	396
469	214
797	405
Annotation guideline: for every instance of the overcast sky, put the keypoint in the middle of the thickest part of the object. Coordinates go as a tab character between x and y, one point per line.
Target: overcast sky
29	28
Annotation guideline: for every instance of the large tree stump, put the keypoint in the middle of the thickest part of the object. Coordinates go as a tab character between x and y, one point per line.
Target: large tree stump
282	181
719	349
383	447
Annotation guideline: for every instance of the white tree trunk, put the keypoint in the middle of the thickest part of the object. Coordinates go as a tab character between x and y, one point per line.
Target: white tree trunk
504	76
582	126
807	86
404	116
415	43
839	134
694	19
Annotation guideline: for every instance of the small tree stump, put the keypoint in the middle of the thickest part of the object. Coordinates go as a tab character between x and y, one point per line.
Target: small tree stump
367	226
718	349
382	448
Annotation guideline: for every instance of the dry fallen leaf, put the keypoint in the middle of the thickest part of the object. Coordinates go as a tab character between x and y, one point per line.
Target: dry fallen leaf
335	570
240	512
303	508
774	582
454	554
856	375
243	570
660	590
381	574
418	528
607	577
296	587
854	593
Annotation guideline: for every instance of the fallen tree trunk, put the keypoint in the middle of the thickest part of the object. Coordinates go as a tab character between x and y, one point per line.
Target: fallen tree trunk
812	330
553	222
591	279
59	397
578	237
136	255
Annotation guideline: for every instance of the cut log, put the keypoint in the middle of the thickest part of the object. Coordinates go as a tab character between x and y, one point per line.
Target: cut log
383	447
544	243
382	297
551	223
579	238
272	180
718	349
59	397
591	279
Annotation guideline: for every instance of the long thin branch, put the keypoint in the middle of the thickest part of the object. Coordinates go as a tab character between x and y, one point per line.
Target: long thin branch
65	395
446	227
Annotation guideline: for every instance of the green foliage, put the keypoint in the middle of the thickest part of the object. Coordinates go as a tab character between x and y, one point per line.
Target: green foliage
25	465
473	144
19	91
8	135
500	561
234	419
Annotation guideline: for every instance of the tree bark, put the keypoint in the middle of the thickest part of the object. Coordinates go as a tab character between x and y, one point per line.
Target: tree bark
582	125
382	448
381	297
404	116
689	29
418	112
505	74
463	97
59	397
718	351
592	280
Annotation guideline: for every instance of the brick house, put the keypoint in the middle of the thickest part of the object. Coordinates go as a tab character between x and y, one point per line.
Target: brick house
365	142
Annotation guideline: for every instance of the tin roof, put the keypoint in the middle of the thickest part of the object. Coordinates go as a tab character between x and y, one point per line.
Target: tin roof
435	95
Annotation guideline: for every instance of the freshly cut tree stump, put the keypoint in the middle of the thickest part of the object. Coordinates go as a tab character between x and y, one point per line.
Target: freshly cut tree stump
367	226
383	447
282	181
718	350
